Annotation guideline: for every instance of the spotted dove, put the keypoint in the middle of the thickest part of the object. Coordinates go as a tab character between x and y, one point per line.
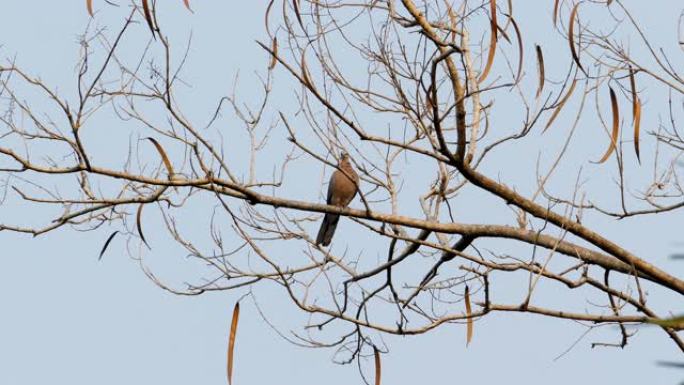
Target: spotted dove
341	190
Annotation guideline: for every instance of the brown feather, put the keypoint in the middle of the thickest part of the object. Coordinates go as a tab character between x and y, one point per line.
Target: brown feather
341	191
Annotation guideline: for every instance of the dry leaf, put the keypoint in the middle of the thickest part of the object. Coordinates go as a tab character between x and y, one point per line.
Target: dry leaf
571	37
274	55
636	112
138	222
469	313
231	340
376	353
148	16
616	126
540	69
560	105
89	6
165	158
187	5
104	248
492	41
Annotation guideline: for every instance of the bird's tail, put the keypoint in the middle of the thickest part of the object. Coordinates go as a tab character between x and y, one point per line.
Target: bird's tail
325	233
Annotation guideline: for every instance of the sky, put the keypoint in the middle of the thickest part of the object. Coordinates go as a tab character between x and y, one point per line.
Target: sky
67	318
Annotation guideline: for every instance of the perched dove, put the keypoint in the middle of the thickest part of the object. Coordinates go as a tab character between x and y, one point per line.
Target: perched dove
341	190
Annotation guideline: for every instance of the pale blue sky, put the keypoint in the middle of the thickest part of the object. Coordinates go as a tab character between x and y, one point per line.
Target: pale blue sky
68	319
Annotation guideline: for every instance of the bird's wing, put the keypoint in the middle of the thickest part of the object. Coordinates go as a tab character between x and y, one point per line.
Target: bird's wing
331	187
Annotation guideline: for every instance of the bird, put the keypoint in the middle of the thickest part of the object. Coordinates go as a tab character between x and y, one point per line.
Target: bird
344	183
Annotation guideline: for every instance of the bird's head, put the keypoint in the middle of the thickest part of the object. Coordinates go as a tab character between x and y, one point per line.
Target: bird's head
344	159
345	163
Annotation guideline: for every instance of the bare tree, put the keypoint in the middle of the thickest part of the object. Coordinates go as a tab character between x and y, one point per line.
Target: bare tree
420	95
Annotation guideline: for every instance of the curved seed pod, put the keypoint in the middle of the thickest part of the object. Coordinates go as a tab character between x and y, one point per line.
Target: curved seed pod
540	69
520	48
268	12
560	105
571	37
104	248
231	341
502	33
637	124
89	7
492	42
636	112
555	11
469	313
274	55
305	71
165	158
295	5
138	222
378	372
510	12
616	127
148	16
